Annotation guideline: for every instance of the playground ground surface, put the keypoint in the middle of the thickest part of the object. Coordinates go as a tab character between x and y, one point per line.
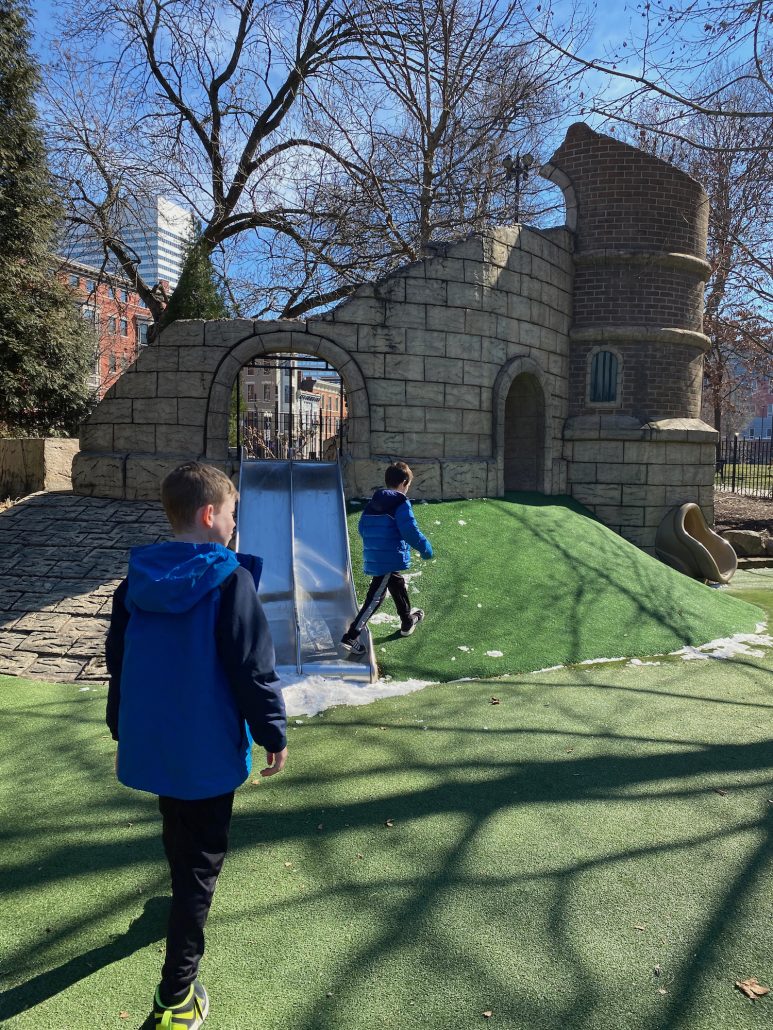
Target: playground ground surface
593	851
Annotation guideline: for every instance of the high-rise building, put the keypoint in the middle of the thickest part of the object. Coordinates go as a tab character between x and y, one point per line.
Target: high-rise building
158	232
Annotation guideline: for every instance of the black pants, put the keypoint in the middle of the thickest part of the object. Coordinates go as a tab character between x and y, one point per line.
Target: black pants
195	835
377	591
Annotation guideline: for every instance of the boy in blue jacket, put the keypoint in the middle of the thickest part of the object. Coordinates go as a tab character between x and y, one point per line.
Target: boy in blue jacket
191	666
388	530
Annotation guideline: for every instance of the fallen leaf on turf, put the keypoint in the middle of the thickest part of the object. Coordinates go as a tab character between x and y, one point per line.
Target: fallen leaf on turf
288	865
751	988
662	990
321	826
390	823
722	793
488	1014
123	1015
640	926
568	749
656	970
495	701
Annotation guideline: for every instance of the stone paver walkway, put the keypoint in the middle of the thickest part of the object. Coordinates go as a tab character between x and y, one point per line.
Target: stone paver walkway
61	558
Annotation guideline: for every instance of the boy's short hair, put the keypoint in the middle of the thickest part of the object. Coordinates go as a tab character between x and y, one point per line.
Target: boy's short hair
397	474
189	487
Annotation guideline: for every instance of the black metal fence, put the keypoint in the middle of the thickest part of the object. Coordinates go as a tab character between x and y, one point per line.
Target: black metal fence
744	466
280	435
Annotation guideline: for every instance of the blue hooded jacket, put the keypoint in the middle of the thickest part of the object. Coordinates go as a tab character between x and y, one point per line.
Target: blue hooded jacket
388	529
190	658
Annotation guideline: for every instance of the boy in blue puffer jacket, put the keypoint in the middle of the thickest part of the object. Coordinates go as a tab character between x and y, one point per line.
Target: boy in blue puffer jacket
388	530
191	666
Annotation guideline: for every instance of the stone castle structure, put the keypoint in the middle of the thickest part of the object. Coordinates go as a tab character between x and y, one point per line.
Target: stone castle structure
566	360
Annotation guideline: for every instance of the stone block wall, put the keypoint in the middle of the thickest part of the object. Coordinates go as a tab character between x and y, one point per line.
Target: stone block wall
29	465
630	475
427	357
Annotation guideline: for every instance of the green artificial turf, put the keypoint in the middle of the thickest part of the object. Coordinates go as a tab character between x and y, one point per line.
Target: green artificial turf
539	579
593	852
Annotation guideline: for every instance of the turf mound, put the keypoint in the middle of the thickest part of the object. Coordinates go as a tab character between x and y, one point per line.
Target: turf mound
528	581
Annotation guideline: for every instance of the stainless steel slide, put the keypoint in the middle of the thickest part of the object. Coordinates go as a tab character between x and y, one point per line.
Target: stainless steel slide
292	514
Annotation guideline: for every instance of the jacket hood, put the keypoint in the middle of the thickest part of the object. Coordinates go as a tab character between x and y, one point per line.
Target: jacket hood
173	577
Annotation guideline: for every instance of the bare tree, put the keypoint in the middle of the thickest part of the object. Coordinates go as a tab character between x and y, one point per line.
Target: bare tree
733	160
198	98
672	50
317	142
445	89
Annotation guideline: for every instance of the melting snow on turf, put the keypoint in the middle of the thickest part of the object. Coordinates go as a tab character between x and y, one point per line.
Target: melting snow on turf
384	617
494	654
310	695
462	522
744	645
729	647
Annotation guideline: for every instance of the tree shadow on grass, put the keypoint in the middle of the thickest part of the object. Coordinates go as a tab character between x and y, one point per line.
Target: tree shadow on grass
408	901
147	928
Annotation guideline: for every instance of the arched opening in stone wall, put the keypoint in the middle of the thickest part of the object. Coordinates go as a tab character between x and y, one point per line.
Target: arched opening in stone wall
287	405
300	396
524	434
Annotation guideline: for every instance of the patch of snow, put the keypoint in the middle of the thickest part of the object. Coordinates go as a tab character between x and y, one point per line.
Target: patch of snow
310	695
438	522
600	661
384	617
408	576
494	654
463	647
480	605
746	644
548	668
81	689
462	522
638	661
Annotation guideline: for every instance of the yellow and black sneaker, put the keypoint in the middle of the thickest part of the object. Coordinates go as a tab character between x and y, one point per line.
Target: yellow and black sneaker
187	1014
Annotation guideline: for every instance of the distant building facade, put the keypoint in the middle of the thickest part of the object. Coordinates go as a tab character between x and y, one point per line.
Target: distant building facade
158	232
117	315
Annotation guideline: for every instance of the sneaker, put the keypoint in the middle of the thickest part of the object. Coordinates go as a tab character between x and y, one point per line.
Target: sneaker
407	628
187	1014
353	644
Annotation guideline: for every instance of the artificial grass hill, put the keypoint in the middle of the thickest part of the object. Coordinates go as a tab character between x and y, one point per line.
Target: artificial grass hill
527	581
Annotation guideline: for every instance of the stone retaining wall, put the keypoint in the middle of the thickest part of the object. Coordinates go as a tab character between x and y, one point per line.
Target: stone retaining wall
41	463
630	475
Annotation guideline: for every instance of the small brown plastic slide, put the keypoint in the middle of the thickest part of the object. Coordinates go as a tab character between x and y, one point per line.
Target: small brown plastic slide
685	542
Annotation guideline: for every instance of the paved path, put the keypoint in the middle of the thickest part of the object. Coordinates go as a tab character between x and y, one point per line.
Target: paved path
61	558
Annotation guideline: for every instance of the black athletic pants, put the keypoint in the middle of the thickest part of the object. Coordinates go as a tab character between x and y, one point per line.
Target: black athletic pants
377	591
195	835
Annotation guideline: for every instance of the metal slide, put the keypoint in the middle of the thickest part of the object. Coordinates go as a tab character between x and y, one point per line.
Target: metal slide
292	514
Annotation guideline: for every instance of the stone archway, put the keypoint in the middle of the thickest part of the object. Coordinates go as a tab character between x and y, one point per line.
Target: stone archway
257	345
522	424
524	434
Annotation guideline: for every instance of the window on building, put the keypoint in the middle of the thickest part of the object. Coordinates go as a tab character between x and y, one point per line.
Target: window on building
90	285
267	391
287	394
89	314
124	327
124	294
111	325
111	362
250	372
603	377
75	281
251	392
142	334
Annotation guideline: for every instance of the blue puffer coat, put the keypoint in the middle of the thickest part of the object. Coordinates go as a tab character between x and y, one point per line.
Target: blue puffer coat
388	530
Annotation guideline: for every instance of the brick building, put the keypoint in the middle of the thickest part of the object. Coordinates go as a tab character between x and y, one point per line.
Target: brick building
116	313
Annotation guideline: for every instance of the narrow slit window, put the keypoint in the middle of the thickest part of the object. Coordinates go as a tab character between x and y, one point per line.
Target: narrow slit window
603	378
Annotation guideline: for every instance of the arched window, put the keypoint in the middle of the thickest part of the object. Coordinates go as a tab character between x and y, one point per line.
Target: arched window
603	377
